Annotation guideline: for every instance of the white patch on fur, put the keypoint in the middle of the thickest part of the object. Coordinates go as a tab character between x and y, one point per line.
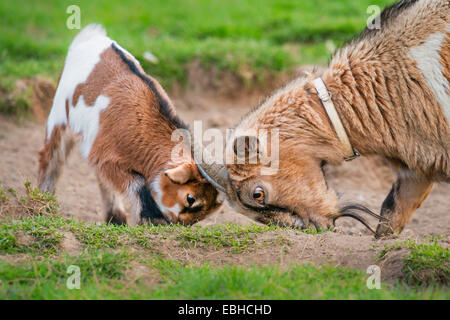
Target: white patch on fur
428	60
85	120
156	188
84	54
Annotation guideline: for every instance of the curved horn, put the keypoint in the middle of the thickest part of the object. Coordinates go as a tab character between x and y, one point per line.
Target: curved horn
213	172
349	211
208	172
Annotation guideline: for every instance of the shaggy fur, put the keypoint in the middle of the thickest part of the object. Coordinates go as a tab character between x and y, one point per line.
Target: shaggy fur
383	97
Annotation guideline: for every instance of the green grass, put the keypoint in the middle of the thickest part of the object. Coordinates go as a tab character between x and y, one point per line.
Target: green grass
102	277
237	237
261	36
46	227
47	279
38	268
273	282
46	232
425	263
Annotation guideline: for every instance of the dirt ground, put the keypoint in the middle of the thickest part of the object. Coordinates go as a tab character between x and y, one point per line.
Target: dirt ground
366	181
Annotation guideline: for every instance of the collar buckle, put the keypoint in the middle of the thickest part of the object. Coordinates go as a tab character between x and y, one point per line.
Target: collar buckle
324	95
355	155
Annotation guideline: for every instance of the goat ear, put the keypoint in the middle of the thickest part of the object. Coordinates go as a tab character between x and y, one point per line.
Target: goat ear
181	174
246	147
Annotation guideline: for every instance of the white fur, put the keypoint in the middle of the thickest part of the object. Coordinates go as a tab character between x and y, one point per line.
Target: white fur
428	60
156	188
85	120
84	54
136	206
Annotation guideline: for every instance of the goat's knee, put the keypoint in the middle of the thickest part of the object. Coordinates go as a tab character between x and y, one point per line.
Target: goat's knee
406	195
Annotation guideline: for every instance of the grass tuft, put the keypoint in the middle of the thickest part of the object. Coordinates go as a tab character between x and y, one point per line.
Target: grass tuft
38	202
425	264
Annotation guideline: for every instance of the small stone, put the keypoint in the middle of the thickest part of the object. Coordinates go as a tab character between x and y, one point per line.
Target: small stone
150	57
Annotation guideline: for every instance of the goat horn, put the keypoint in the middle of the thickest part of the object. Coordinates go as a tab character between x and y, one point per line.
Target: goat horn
213	172
349	211
361	208
356	217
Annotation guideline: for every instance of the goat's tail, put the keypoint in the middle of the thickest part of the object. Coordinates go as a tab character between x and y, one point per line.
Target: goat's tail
90	31
53	156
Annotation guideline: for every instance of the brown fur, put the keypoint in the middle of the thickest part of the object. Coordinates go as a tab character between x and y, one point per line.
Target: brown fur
387	109
109	67
445	57
52	156
171	196
45	154
132	130
67	110
133	144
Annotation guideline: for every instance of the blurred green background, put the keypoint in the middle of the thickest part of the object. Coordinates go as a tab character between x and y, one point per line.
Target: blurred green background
260	37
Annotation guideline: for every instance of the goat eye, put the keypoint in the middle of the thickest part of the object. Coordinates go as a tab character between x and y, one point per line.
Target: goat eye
258	195
190	199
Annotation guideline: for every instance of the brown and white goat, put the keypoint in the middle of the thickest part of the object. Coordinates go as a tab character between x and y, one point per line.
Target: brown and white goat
124	121
391	91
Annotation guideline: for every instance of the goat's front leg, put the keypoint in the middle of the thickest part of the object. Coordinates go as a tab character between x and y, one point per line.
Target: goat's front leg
144	207
115	181
133	185
406	195
113	208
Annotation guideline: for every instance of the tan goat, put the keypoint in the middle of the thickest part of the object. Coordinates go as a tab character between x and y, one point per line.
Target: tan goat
390	91
124	121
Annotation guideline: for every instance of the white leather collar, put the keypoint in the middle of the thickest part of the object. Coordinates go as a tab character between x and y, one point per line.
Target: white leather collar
325	97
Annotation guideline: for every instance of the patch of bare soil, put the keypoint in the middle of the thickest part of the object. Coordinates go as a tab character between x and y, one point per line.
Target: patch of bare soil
291	247
24	240
366	181
71	245
284	249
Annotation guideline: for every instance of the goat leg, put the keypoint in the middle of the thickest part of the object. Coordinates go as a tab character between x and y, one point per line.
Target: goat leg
113	208
406	196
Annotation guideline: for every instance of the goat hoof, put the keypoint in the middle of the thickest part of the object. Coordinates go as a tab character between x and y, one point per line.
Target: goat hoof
384	230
